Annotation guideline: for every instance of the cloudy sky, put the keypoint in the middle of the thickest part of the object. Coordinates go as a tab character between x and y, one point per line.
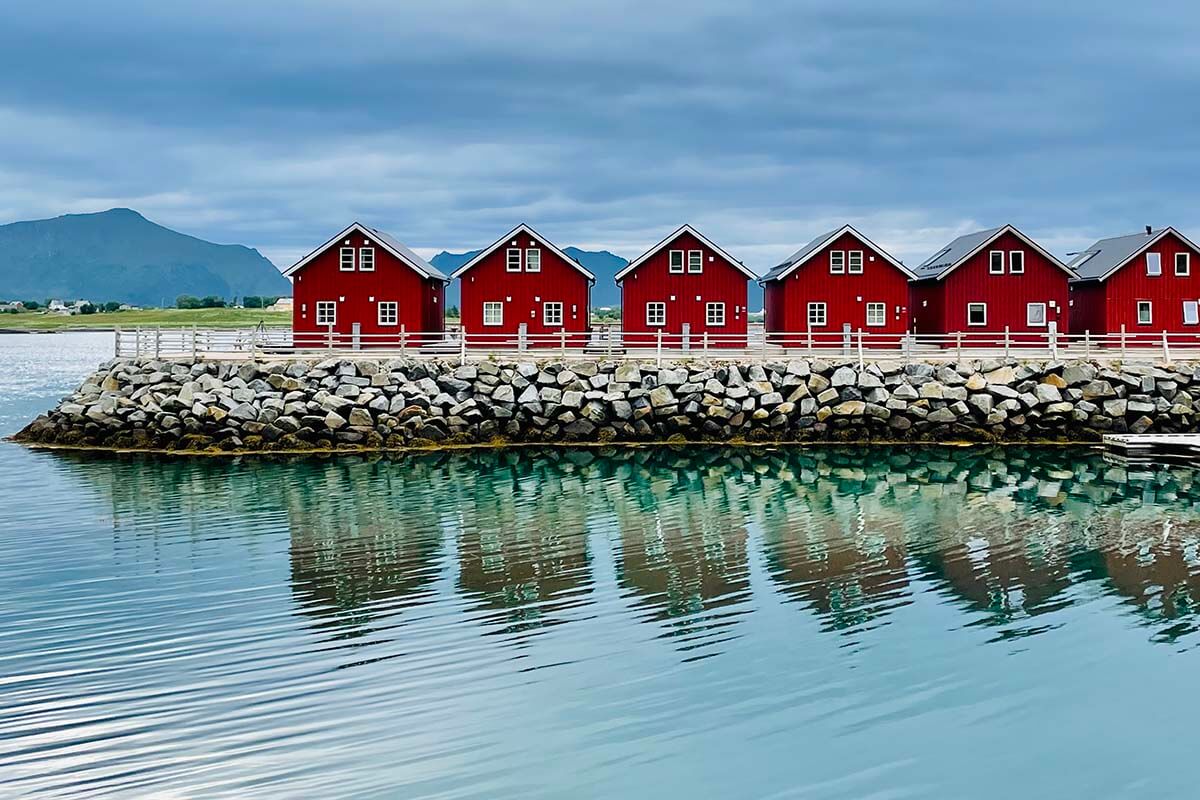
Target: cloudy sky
605	124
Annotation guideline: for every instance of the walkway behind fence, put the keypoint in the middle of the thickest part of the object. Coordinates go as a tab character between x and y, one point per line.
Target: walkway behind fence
611	342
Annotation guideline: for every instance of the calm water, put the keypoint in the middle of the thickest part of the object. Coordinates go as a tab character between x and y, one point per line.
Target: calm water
706	623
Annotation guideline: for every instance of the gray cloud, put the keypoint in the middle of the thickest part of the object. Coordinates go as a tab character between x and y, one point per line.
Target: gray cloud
604	125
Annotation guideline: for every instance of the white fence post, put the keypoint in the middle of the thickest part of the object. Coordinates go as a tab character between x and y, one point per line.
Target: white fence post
329	336
562	337
1053	333
860	349
462	346
193	343
658	349
116	341
1166	349
1007	341
1122	340
157	340
402	335
1087	344
705	345
958	346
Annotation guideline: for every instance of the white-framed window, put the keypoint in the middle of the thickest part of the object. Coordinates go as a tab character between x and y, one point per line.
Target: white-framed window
837	262
326	312
366	259
996	262
389	312
513	264
1153	264
855	263
675	261
493	313
552	314
695	261
977	314
656	314
1145	311
876	314
714	314
1191	312
1183	263
346	264
533	260
1035	314
1016	262
816	315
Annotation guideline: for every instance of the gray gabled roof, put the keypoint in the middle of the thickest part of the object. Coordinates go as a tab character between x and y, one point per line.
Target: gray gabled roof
392	245
1106	256
802	255
950	257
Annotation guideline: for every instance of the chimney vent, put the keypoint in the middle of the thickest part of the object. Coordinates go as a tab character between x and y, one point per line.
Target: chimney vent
1149	230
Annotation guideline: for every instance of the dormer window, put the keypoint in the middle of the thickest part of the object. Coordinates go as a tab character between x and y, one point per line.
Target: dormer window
837	262
675	261
366	259
996	262
514	260
347	262
695	262
856	262
533	260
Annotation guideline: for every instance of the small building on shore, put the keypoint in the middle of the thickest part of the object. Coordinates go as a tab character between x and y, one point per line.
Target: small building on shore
1144	283
363	288
988	282
523	291
686	289
838	284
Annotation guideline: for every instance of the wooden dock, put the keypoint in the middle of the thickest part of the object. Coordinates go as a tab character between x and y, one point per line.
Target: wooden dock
1177	448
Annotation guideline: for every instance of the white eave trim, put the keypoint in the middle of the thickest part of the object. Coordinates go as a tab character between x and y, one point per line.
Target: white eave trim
844	230
1149	243
503	240
670	238
1006	229
375	240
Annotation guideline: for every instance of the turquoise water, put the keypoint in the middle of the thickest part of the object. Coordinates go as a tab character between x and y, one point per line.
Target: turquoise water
807	623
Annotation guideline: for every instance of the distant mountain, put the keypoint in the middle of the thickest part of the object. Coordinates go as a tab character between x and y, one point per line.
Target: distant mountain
601	263
121	255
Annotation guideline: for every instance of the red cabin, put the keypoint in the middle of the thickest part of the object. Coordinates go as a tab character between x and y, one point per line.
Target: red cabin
684	288
990	281
522	291
836	285
1139	284
363	288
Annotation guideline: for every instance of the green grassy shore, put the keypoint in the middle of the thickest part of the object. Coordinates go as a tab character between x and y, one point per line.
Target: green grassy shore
146	318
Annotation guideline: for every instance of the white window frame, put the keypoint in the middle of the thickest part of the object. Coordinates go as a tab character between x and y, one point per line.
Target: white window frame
548	318
714	320
366	255
533	259
1195	312
1029	318
837	263
672	267
1187	264
511	265
1016	257
993	267
653	319
695	262
850	262
1153	265
1149	306
978	305
392	318
881	308
497	318
346	260
818	315
326	313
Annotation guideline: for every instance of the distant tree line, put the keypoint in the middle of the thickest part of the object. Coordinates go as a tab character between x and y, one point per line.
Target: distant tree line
212	301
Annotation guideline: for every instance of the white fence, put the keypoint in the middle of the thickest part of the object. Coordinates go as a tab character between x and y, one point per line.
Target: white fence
612	342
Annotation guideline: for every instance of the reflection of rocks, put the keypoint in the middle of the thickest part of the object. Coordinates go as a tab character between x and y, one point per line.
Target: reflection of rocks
850	533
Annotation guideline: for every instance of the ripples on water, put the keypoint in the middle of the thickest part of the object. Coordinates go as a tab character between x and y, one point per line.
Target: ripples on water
650	623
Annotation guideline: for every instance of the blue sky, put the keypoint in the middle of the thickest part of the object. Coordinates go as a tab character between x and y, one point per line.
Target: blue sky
605	124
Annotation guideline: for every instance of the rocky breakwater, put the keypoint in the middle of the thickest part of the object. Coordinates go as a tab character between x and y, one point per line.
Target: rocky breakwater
361	403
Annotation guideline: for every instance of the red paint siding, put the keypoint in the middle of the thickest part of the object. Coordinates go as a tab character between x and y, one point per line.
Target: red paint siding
358	294
1113	303
845	296
720	282
523	295
1006	295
